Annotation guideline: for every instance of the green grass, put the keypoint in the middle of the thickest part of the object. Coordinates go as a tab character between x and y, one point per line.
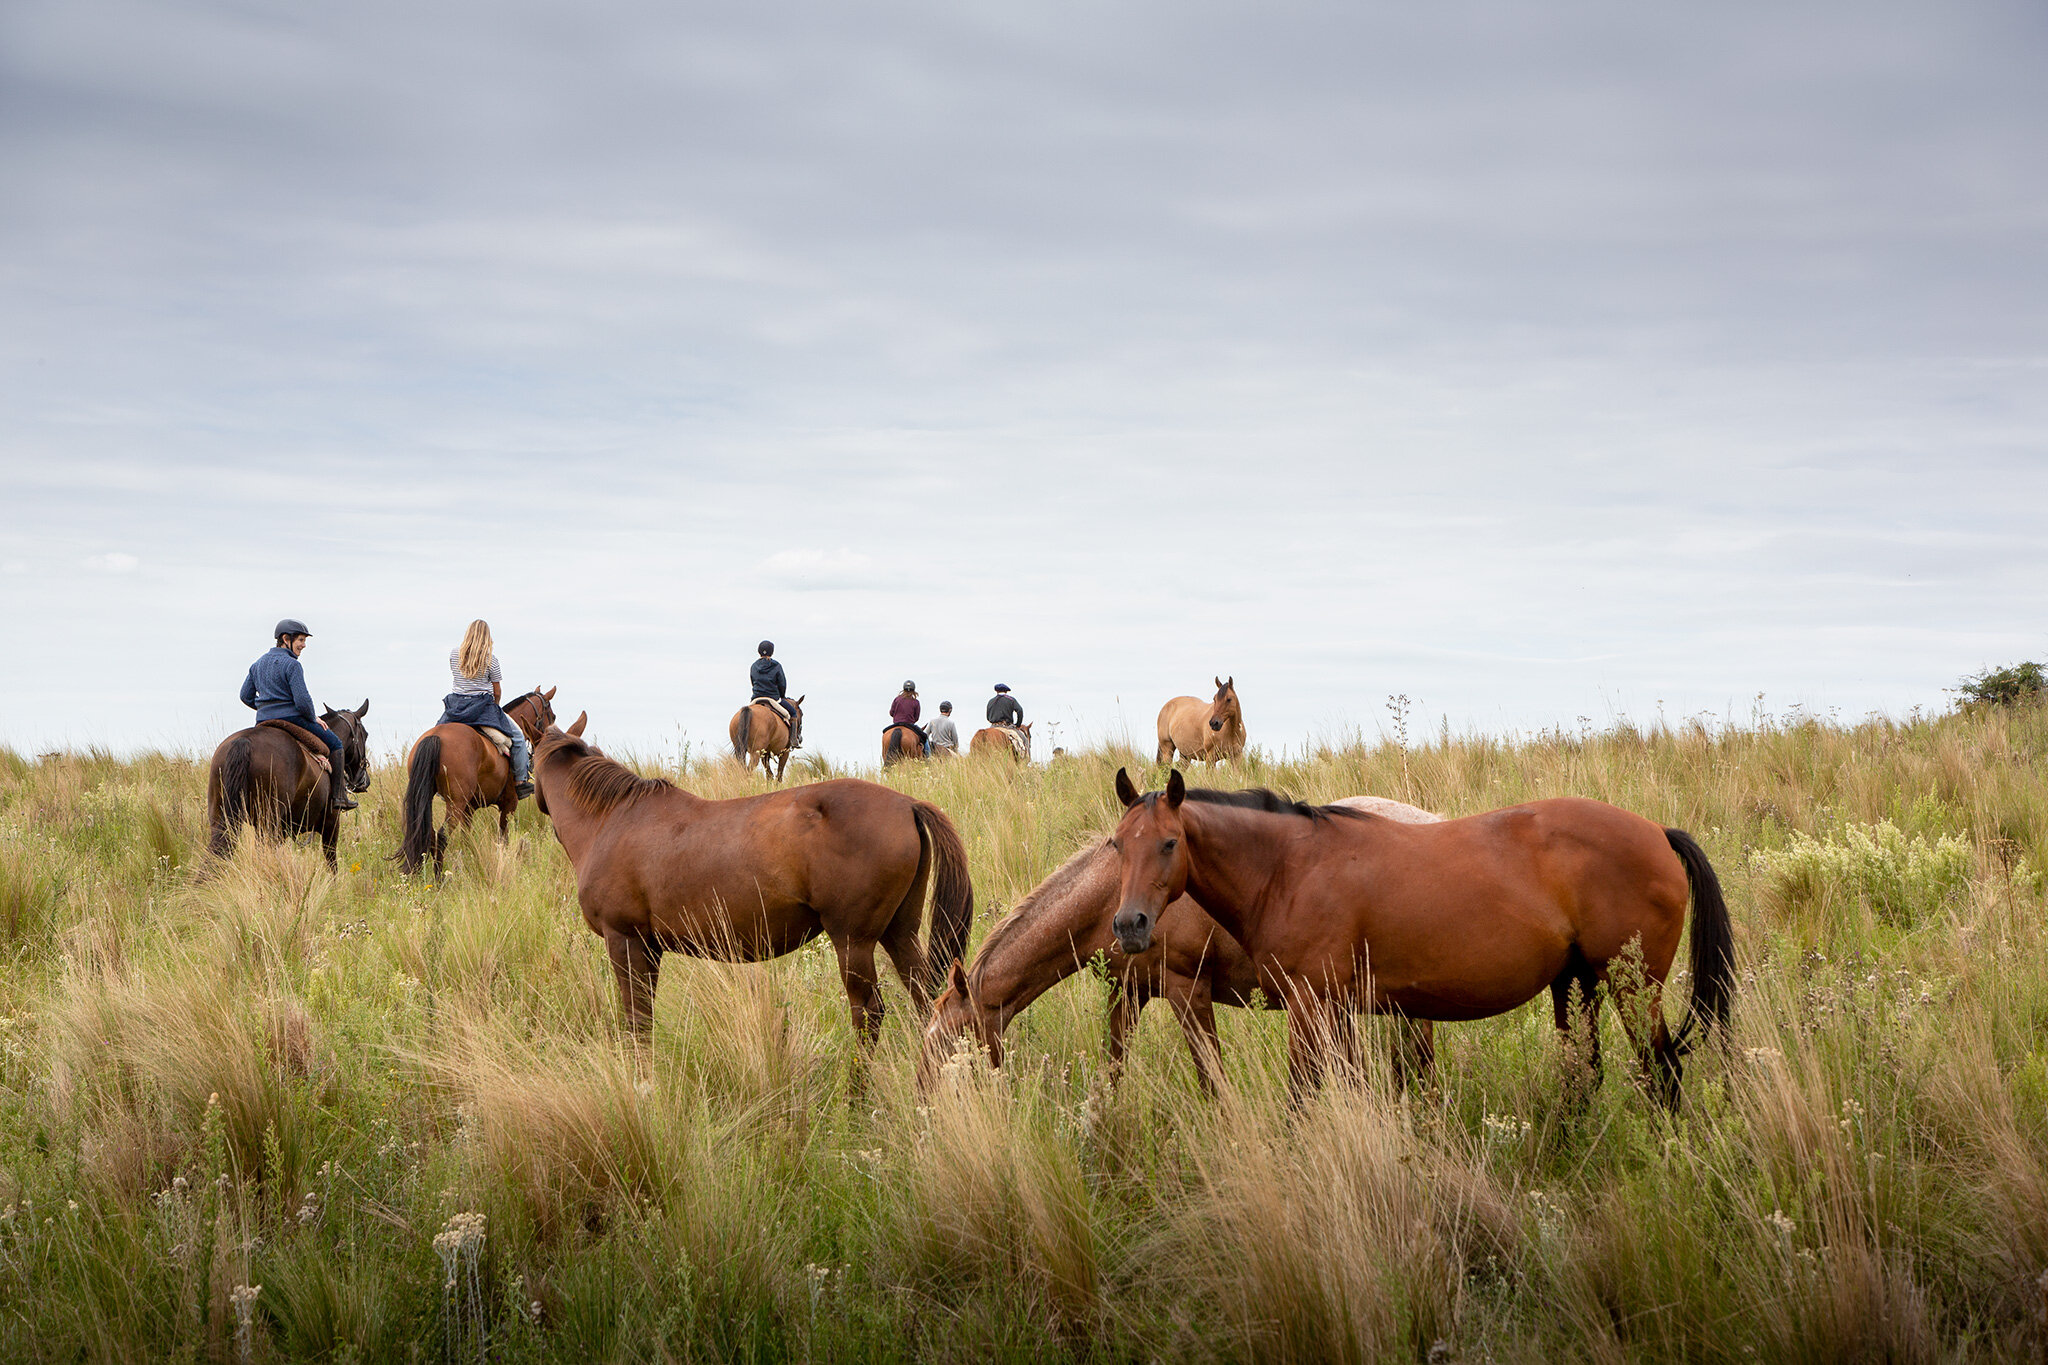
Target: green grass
259	1075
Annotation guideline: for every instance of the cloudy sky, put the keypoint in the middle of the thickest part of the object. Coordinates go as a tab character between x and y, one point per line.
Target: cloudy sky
1538	362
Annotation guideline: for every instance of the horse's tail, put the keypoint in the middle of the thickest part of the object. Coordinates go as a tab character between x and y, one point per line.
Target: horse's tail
236	777
1713	946
742	735
422	776
952	894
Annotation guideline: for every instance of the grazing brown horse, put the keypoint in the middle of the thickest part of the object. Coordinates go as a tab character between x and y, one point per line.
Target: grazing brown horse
758	734
1204	731
266	777
1002	741
900	742
1064	922
1343	911
467	772
661	870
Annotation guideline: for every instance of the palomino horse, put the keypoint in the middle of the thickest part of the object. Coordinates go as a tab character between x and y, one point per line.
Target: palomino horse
467	772
1009	741
661	870
266	777
1343	911
759	735
1064	922
900	742
1204	731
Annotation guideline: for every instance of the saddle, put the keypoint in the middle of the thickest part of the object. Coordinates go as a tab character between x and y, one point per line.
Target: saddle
497	737
315	747
1019	741
917	730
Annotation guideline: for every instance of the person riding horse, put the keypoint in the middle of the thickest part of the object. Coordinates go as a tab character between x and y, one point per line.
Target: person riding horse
1003	708
904	711
770	686
943	734
479	687
276	690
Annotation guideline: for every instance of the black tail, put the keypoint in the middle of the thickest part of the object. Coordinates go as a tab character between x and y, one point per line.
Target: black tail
421	778
952	895
235	780
739	741
1713	946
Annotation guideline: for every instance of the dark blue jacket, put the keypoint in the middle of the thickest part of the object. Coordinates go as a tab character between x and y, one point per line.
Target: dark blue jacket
476	708
276	690
766	675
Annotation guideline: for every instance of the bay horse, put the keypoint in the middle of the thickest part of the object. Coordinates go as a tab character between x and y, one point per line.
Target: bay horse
1002	740
661	870
1344	911
265	776
900	742
467	772
758	734
1060	927
1202	731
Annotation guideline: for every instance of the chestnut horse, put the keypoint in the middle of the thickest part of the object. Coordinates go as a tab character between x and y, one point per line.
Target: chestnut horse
758	734
266	777
661	870
1002	740
467	772
1064	922
900	742
1343	911
1204	731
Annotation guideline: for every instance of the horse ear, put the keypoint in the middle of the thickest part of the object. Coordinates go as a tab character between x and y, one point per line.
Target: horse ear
1176	790
576	729
549	695
364	709
1125	792
1219	684
1231	681
800	700
956	980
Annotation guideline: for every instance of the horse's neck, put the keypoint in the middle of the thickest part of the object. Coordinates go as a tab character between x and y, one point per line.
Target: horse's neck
1234	857
1036	955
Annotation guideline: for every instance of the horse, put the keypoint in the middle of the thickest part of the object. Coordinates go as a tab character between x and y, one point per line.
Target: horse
900	742
1010	741
758	734
1063	923
660	870
265	776
1345	911
1204	731
467	772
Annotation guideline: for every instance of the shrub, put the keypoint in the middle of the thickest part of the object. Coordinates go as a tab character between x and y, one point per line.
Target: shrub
2008	686
1903	879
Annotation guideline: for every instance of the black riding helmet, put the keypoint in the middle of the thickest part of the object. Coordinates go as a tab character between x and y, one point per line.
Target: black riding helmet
765	647
288	626
909	686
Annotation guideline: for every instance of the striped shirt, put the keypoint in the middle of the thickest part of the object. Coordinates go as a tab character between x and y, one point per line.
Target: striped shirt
473	687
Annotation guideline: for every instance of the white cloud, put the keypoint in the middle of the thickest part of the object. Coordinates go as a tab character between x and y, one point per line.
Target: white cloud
112	562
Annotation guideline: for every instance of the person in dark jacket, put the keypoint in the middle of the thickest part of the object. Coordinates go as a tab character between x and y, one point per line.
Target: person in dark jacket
769	683
1003	708
905	709
276	690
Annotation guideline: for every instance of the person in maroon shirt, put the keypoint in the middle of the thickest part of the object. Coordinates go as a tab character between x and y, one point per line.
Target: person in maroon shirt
905	710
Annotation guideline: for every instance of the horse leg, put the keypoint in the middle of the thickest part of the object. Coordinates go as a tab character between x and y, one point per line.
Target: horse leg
330	833
1414	1050
1196	1009
1308	1038
1165	751
1642	1018
1123	1018
906	955
636	965
863	991
1579	1084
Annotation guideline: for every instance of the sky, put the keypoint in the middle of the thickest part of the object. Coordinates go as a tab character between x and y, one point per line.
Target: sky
1547	365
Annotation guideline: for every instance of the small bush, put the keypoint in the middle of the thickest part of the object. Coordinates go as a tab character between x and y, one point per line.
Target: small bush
2008	686
1903	879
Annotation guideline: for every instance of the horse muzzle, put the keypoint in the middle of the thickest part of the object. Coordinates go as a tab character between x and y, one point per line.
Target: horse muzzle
359	784
1215	725
1133	930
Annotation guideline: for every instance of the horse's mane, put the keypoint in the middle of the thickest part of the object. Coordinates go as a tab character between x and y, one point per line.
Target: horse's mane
1025	910
598	783
1271	802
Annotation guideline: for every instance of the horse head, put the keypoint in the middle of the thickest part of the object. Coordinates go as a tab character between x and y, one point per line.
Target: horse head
541	707
956	1015
796	722
1223	709
551	741
355	744
1152	858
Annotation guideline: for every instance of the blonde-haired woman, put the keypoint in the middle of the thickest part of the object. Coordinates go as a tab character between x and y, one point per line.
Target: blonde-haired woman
479	687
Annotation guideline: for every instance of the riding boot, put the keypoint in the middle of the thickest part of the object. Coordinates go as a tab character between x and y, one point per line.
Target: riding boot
337	789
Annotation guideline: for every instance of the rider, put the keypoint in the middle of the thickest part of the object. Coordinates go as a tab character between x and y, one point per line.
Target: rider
942	734
769	683
904	711
479	688
1003	708
276	690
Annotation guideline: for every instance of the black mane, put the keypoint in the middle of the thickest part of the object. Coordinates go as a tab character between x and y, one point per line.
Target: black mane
1267	800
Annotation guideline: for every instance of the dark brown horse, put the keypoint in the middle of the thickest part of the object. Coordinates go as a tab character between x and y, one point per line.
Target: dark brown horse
1343	911
661	870
265	776
900	742
1007	741
1203	731
759	735
1064	922
466	770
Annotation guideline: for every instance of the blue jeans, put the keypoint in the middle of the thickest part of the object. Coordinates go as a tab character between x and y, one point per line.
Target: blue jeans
522	756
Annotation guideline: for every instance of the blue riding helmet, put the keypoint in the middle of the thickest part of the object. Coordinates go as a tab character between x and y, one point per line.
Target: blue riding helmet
289	627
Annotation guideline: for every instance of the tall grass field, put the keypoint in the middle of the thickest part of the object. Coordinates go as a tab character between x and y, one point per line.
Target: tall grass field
252	1111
